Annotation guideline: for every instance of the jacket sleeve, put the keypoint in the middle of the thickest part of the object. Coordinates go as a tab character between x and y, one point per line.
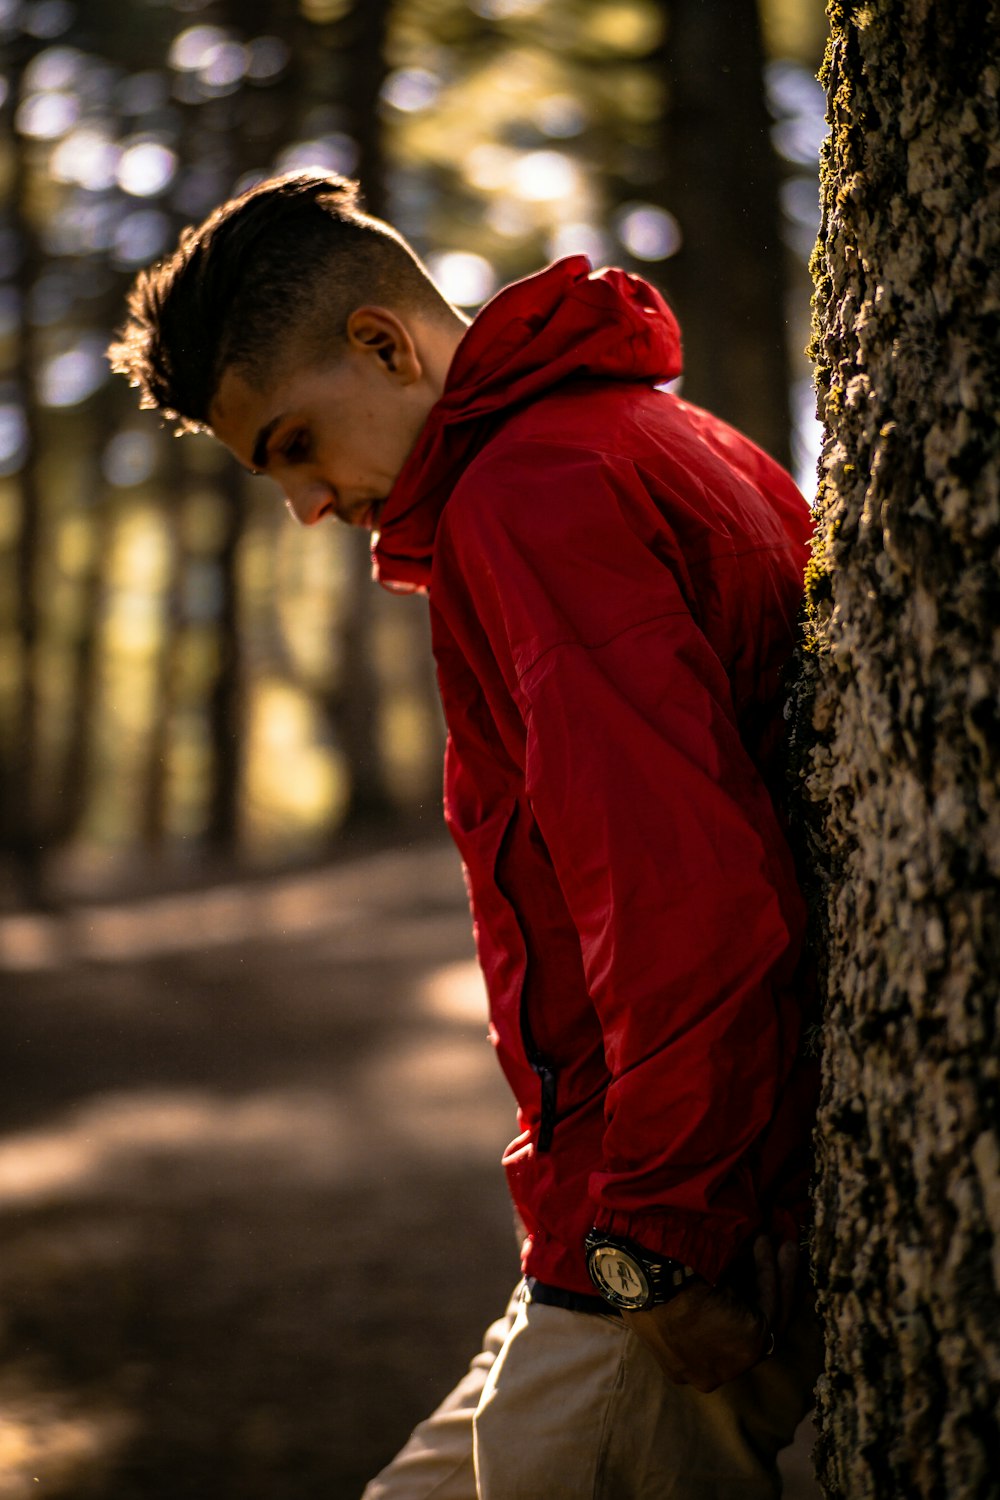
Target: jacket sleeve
665	844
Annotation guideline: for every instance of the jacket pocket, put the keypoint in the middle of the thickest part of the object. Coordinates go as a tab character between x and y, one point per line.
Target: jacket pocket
503	956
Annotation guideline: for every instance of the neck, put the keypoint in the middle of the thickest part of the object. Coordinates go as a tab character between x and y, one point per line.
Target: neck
439	339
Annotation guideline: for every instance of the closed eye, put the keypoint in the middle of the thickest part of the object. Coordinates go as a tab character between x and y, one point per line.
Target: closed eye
295	448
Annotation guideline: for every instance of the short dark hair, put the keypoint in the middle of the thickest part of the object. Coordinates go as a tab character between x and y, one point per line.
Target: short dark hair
286	261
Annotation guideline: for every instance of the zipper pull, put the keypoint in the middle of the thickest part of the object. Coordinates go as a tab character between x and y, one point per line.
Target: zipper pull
547	1120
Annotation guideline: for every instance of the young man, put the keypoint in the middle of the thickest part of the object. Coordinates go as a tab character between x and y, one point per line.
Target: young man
613	578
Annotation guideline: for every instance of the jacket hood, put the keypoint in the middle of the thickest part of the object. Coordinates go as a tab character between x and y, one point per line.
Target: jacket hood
566	322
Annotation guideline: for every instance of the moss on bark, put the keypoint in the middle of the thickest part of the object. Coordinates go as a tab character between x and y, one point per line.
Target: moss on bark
898	729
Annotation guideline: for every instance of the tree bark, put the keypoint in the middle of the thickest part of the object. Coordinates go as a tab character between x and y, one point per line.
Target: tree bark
904	672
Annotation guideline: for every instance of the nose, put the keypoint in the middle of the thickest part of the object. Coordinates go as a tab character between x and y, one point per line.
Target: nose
309	502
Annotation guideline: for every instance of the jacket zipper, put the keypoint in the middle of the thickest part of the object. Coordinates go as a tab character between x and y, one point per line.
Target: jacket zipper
539	1064
546	1077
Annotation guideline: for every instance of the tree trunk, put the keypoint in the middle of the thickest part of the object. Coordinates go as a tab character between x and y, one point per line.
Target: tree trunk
727	281
225	706
905	671
75	774
25	820
362	71
154	815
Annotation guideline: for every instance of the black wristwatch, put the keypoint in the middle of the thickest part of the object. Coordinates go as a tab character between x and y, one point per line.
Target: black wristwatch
628	1276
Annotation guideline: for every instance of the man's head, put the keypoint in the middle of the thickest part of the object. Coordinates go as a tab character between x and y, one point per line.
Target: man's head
305	334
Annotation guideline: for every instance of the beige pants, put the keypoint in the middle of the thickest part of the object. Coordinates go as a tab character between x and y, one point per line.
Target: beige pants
571	1406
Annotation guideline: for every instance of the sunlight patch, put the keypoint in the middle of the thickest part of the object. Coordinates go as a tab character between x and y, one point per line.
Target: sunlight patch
108	1142
48	1445
455	992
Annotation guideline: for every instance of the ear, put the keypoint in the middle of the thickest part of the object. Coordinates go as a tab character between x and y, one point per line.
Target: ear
377	331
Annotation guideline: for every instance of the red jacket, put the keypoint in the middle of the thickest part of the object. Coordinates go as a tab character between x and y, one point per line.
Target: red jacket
614	577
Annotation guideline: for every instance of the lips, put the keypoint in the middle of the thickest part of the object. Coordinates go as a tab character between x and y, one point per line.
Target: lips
371	514
364	515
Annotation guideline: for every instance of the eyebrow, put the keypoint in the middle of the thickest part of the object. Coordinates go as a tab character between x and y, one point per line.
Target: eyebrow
259	456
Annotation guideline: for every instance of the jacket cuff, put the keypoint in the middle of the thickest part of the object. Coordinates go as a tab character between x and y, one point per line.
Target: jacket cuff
709	1248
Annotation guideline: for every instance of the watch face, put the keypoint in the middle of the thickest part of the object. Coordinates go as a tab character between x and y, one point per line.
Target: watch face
619	1276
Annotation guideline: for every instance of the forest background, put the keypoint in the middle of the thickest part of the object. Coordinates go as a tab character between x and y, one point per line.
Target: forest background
250	1117
186	681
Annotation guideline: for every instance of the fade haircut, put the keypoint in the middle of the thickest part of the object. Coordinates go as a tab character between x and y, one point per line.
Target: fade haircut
282	266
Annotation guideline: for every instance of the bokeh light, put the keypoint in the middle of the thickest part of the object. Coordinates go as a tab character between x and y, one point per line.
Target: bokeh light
504	10
648	232
324	12
55	68
335	152
200	187
464	279
52	297
69	378
489	167
624	26
507	217
561	116
87	156
146	168
224	68
581	239
800	204
129	458
542	176
13	438
267	58
81	226
411	89
140	237
47	116
46	19
192	49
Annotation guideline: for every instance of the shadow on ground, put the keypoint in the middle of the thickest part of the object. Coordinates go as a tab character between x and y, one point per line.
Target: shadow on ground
252	1222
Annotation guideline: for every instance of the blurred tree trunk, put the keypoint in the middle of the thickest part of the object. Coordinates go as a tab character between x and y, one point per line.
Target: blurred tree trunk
903	765
364	76
360	66
24	816
727	281
224	132
154	817
75	773
226	697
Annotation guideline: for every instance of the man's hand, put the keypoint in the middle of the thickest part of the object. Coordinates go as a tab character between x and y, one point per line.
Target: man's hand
707	1335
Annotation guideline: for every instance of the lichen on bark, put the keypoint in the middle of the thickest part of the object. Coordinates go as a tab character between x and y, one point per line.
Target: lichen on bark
897	730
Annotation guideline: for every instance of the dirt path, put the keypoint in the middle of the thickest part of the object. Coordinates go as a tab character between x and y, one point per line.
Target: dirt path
239	1131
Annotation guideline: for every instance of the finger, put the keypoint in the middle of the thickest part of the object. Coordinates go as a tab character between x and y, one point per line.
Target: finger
788	1266
708	1376
767	1277
645	1326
